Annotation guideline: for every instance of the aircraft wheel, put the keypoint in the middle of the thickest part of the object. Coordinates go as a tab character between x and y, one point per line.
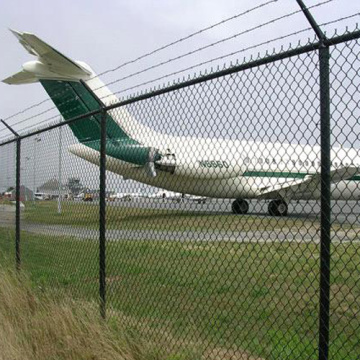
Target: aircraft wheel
278	208
240	206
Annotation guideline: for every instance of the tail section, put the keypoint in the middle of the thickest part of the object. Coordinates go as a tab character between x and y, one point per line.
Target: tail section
75	99
50	63
76	90
63	80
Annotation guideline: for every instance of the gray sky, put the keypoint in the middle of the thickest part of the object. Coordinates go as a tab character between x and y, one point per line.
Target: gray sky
106	34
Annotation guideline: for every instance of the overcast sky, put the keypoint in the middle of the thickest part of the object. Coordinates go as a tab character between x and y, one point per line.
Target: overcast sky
106	34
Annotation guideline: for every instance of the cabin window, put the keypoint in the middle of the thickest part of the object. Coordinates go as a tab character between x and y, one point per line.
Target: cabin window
313	163
260	161
306	163
300	163
267	161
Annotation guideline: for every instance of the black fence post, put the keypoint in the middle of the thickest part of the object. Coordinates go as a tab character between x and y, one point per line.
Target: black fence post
325	240
17	218
17	196
325	134
102	235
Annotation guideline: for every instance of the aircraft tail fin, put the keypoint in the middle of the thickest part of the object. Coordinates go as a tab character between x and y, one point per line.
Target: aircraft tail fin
75	99
65	82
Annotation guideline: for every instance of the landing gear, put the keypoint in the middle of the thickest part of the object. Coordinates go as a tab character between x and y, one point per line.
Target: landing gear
278	208
240	206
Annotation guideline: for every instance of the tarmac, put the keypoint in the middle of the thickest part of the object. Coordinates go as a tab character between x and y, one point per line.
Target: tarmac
7	219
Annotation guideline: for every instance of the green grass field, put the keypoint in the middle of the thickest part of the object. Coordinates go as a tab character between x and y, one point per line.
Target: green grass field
258	298
6	202
87	215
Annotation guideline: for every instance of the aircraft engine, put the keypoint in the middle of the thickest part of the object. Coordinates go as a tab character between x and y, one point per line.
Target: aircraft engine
167	163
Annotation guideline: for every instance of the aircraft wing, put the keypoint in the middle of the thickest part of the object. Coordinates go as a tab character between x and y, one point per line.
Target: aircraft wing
310	184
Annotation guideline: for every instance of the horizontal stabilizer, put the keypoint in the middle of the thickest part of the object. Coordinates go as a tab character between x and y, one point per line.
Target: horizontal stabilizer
50	63
22	77
311	183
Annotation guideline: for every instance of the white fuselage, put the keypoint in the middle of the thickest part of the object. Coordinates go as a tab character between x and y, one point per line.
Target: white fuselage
233	169
193	165
221	168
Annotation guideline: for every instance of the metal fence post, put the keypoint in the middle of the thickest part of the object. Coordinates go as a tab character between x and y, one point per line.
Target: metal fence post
60	170
102	235
325	133
325	239
17	221
17	196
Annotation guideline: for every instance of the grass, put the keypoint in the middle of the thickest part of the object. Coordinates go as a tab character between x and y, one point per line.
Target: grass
6	202
87	215
36	325
211	297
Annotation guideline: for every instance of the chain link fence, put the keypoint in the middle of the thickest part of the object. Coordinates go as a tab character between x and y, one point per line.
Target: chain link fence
221	240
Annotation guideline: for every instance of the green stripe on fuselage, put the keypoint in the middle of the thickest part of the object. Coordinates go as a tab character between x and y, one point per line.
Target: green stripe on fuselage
283	174
275	174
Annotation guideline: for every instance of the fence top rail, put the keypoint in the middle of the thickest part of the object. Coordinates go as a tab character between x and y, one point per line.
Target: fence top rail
198	80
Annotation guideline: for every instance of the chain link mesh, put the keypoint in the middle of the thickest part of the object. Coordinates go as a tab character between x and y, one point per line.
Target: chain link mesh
212	216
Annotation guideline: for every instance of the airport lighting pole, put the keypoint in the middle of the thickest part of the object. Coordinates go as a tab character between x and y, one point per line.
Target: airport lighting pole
27	158
59	175
25	193
7	177
6	173
36	140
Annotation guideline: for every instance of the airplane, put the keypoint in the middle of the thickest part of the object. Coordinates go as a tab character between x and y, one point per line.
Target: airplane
208	167
124	196
195	198
168	195
178	197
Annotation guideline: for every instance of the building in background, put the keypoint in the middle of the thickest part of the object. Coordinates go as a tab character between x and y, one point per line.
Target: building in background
51	189
25	194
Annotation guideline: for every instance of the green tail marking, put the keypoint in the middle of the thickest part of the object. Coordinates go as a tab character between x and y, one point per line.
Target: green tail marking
74	99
